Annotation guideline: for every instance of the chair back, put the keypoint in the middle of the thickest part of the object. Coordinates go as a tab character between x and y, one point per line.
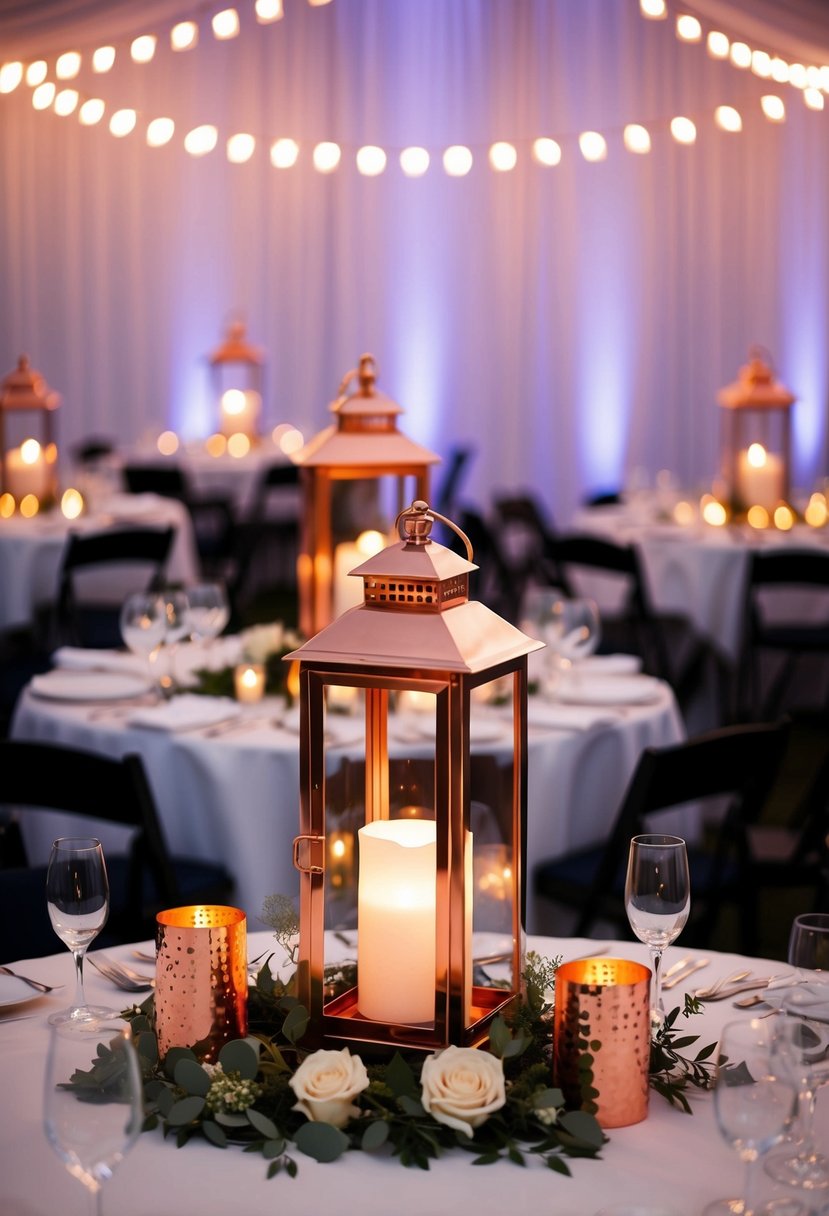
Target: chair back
445	496
168	480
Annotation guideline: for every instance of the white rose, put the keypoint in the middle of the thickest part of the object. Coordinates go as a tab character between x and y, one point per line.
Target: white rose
462	1086
326	1082
261	641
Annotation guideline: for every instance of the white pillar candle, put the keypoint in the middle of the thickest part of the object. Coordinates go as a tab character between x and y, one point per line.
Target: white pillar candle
759	477
249	682
396	909
240	412
348	590
27	471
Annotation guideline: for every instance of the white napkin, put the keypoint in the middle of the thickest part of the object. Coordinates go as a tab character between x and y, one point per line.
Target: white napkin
568	717
812	993
77	658
186	712
610	665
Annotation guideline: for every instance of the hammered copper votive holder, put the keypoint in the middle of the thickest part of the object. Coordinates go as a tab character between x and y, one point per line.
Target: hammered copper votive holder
601	1038
201	979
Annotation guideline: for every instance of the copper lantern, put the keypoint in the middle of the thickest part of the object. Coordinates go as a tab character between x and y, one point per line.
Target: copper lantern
236	370
29	470
756	450
361	448
408	935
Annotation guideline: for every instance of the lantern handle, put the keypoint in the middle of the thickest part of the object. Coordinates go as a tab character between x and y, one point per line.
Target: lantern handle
421	515
366	375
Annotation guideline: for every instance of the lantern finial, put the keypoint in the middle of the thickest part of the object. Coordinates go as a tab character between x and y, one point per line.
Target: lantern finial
415	525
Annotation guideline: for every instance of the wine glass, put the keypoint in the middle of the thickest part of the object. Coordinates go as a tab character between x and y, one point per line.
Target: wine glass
143	623
77	895
570	628
807	1009
177	626
657	900
755	1097
209	610
92	1129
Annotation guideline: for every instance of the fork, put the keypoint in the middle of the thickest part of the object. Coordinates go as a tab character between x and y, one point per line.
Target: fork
118	977
36	984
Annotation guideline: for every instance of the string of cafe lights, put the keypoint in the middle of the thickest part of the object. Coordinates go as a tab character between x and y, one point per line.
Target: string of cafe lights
371	160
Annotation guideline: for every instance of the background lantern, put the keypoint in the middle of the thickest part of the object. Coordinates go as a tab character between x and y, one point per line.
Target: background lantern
28	470
360	450
393	844
756	437
236	370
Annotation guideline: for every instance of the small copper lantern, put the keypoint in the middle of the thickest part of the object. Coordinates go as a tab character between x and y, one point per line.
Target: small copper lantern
756	437
236	370
31	468
363	444
392	842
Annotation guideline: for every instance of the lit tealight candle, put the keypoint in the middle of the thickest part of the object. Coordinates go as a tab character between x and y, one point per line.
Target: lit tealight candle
341	699
348	590
396	903
71	503
249	682
759	477
27	471
240	410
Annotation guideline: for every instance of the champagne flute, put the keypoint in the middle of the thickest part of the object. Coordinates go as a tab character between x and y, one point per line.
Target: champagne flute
809	1043
143	624
77	895
657	900
755	1098
92	1129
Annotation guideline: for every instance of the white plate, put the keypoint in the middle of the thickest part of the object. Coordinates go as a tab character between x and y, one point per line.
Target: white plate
15	992
65	685
616	690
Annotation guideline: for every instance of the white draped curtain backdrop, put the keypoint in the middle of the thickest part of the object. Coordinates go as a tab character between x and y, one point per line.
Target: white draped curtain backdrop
571	323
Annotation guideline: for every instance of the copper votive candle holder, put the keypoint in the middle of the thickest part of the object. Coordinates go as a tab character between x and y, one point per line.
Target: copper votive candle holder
601	1038
201	979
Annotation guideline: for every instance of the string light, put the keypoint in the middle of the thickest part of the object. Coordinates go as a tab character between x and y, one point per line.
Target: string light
201	140
773	107
184	36
761	64
159	132
740	54
68	65
636	139
66	102
546	151
225	24
593	146
683	130
503	157
728	119
457	160
142	49
326	157
655	10
240	148
414	161
813	99
91	112
717	44
688	29
44	95
122	122
371	160
11	74
284	153
103	59
268	10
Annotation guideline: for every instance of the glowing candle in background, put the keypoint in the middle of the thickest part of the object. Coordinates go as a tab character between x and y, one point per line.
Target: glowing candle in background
27	470
759	477
396	904
240	409
348	591
249	682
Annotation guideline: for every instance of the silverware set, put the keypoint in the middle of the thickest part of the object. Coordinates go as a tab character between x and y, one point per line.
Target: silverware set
36	984
121	975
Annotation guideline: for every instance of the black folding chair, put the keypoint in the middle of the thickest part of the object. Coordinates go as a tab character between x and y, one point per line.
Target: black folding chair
212	514
734	763
146	879
266	541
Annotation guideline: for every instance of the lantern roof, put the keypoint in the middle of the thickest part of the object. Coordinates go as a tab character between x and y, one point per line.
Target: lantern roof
756	387
24	388
235	348
365	433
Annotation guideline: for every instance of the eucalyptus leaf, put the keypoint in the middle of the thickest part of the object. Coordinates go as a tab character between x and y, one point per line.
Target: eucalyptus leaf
295	1024
185	1111
375	1136
231	1118
173	1056
146	1043
583	1126
322	1141
192	1078
400	1078
215	1134
411	1106
265	1126
239	1056
499	1037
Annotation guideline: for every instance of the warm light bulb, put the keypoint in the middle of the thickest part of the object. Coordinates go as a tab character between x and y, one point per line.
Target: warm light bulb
216	445
67	65
201	140
238	445
66	102
371	160
728	119
11	75
740	54
797	76
761	64
44	95
717	44
547	151
122	123
225	24
457	160
414	161
36	73
636	138
142	48
816	512
779	70
240	148
71	503
326	157
714	512
103	58
503	157
160	131
757	517
7	505
655	10
593	146
783	517
813	99
91	112
268	10
688	28
284	153
167	443
29	506
683	130
773	107
184	36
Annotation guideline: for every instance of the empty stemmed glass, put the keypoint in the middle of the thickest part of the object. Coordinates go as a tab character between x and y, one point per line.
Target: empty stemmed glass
570	628
77	895
143	624
209	611
755	1098
177	627
806	1009
92	1128
657	900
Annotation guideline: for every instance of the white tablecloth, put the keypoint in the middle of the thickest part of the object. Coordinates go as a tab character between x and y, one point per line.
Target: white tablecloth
235	796
672	1164
699	571
31	549
234	476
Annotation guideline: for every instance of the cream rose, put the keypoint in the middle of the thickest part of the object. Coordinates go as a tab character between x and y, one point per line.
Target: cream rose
462	1086
325	1084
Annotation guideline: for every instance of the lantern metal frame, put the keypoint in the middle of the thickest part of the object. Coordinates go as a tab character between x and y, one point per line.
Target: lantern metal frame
25	390
235	351
364	443
340	655
755	400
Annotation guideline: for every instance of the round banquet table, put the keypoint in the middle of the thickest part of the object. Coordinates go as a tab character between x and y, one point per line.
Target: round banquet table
235	476
234	795
671	1164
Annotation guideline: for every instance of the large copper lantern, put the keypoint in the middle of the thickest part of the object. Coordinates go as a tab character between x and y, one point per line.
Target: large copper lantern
236	370
411	844
364	446
756	449
28	470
